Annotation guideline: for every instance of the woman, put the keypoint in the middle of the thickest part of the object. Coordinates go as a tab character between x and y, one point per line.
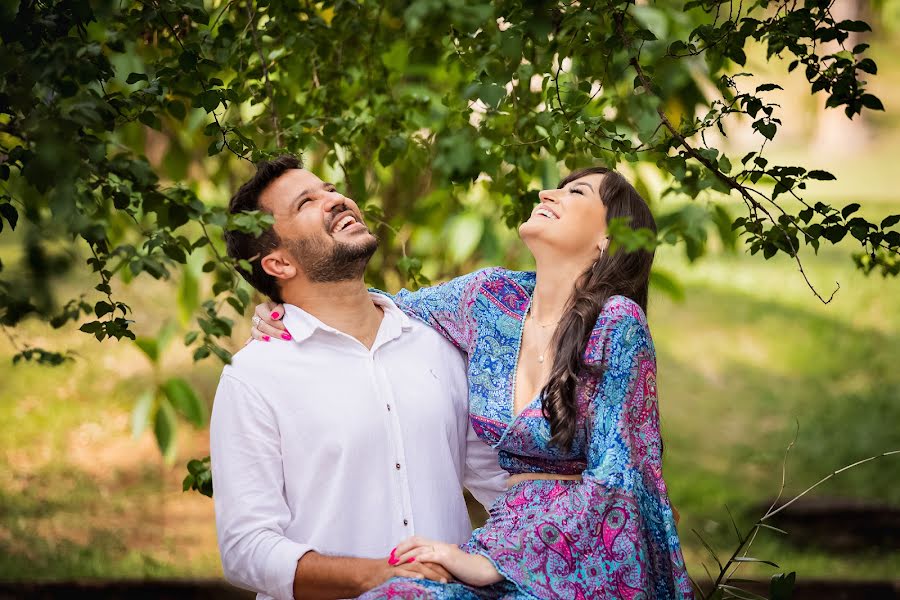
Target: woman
562	381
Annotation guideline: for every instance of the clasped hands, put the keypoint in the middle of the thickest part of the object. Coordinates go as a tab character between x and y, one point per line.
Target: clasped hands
473	569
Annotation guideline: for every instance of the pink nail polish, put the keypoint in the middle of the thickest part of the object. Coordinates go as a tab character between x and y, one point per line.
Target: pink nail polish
274	315
392	561
265	338
411	560
285	336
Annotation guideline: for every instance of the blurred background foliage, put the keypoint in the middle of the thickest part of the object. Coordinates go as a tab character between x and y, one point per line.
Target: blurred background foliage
126	126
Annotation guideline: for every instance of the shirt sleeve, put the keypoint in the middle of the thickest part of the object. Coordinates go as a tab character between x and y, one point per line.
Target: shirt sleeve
248	484
612	534
447	307
483	476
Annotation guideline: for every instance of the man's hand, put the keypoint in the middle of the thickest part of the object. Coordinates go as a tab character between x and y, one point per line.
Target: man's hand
320	577
473	569
428	570
381	570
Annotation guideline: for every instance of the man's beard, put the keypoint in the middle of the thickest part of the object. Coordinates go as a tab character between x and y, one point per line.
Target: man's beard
341	262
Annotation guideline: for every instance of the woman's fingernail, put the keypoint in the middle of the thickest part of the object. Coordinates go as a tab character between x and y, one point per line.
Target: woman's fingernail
275	315
265	338
413	559
285	336
392	561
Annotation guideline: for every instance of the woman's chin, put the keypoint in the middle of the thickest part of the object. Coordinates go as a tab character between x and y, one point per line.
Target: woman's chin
530	228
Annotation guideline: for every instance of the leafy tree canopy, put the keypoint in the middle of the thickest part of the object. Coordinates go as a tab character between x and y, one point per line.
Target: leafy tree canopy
125	125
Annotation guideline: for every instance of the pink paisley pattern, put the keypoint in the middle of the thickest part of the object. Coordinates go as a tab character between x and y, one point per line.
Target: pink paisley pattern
611	535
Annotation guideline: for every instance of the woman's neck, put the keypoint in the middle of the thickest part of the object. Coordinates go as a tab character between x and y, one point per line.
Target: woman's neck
554	283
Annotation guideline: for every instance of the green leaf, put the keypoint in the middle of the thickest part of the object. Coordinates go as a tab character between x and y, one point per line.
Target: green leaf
208	100
820	175
871	102
867	65
849	210
140	414
102	308
185	400
741	593
464	233
135	77
8	212
767	129
215	147
773	528
850	25
165	427
492	94
749	559
781	587
149	347
890	221
665	282
188	294
150	120
176	109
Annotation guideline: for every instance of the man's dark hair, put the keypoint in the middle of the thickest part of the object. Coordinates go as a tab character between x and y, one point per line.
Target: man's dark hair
247	246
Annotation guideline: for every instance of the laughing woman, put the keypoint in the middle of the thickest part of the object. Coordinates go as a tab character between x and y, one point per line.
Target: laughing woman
562	381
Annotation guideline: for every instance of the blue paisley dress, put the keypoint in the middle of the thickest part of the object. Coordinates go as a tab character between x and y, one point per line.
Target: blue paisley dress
609	536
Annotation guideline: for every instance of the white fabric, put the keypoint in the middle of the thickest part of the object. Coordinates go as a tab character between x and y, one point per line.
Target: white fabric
322	444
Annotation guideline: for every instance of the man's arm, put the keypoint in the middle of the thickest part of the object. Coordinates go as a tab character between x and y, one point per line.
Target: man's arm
252	512
483	476
321	577
248	484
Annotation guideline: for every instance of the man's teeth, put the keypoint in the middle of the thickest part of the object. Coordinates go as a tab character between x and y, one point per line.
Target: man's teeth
344	223
545	213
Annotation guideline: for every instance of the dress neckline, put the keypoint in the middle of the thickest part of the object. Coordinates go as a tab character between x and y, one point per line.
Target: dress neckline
513	415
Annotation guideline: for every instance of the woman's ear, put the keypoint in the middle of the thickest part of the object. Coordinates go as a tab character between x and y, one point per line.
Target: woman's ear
277	265
603	244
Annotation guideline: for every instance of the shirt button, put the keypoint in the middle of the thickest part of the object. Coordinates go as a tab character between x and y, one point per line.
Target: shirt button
398	466
389	407
405	522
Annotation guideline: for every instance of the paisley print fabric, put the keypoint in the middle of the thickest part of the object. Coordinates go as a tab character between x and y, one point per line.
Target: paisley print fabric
611	535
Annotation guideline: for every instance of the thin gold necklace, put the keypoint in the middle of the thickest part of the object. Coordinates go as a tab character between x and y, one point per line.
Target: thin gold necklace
540	357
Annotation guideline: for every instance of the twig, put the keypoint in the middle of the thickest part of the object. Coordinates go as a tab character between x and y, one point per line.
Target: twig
729	181
771	514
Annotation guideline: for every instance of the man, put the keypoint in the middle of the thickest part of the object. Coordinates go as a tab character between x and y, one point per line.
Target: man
331	446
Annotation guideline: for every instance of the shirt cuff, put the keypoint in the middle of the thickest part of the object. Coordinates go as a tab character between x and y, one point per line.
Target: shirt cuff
283	568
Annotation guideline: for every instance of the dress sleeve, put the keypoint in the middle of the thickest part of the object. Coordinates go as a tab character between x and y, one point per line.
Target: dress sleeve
613	533
447	307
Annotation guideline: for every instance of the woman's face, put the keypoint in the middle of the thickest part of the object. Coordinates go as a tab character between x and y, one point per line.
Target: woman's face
570	220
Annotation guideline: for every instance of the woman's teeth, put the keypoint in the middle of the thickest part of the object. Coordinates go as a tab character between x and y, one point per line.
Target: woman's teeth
545	213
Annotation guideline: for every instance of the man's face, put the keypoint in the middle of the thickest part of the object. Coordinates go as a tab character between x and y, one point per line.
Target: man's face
321	229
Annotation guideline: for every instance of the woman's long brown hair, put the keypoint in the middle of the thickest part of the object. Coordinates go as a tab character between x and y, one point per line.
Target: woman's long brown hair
614	273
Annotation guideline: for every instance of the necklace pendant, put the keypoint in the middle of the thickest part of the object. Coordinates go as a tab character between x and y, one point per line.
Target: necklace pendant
540	358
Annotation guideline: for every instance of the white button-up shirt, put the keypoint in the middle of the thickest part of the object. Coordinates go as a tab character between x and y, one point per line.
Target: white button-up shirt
322	444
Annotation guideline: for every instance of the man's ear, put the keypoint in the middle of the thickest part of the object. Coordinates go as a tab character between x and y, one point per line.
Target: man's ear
278	264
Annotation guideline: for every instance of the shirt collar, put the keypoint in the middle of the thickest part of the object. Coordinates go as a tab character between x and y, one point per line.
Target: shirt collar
302	325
